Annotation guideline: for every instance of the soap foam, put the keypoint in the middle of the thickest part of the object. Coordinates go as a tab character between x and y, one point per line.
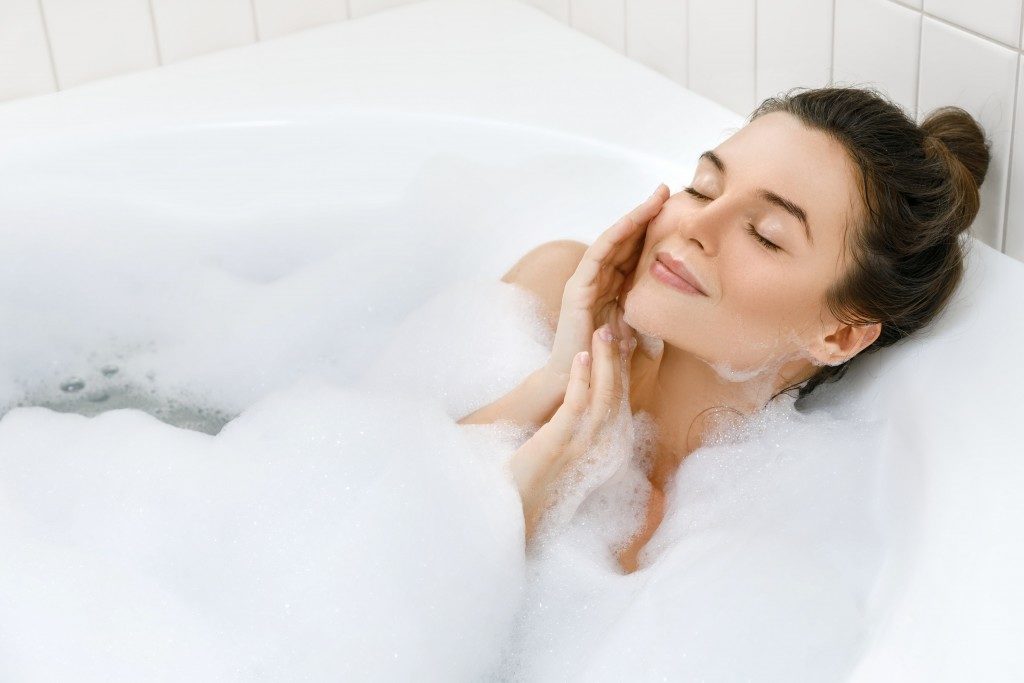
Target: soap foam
759	571
311	539
341	525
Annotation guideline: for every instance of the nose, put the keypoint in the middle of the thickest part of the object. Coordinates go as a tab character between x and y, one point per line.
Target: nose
700	225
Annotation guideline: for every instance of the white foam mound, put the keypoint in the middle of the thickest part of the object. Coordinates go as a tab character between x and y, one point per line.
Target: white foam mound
761	570
357	532
324	534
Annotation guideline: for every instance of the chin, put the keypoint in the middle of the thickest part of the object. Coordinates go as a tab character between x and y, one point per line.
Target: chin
642	313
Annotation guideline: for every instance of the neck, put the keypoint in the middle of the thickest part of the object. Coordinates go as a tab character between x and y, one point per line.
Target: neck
688	399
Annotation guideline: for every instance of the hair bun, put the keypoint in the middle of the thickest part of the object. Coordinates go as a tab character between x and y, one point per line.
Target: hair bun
961	135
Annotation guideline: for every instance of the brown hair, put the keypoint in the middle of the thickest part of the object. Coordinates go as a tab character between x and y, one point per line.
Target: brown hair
921	191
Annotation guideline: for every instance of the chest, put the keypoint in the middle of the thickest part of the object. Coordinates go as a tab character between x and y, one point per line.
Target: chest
628	555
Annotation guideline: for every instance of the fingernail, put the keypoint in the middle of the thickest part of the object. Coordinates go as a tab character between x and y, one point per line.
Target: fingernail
605	333
584	358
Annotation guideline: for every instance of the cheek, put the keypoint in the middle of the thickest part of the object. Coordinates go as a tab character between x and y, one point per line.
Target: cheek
762	313
765	304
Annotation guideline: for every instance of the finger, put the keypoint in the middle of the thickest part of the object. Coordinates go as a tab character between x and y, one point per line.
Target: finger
627	285
617	321
615	245
626	348
628	266
627	236
577	391
604	375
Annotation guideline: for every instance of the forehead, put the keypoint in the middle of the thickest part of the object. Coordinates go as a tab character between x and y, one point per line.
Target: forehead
778	152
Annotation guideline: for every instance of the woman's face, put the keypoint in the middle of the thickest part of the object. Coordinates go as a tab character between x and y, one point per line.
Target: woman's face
763	305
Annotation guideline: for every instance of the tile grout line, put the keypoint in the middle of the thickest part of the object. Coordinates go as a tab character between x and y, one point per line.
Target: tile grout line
255	24
969	31
832	61
755	53
1009	162
156	36
49	45
951	24
920	61
625	27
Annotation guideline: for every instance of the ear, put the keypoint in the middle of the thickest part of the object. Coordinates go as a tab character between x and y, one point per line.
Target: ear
845	342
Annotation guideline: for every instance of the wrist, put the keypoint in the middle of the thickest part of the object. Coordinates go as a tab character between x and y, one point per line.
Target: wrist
534	466
550	383
547	391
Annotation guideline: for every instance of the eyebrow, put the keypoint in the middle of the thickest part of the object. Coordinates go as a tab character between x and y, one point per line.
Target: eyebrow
767	195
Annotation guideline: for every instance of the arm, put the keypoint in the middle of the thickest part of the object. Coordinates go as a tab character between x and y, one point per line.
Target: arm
542	272
595	407
535	467
532	402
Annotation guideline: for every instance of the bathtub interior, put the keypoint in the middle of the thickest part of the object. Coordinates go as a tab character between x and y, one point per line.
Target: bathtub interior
214	263
227	278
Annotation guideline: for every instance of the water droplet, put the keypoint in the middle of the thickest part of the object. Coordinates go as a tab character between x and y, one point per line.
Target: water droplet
109	370
72	385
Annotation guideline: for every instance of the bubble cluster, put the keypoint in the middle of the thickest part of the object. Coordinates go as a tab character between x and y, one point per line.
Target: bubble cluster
102	389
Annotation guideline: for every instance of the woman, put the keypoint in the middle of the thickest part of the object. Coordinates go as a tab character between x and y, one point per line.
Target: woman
825	228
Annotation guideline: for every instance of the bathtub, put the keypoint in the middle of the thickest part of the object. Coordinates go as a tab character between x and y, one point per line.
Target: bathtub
156	224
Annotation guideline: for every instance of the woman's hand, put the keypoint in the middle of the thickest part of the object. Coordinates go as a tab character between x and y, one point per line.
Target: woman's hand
587	439
591	294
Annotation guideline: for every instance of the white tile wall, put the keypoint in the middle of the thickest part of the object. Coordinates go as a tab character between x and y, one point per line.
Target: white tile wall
48	45
99	38
25	66
877	42
922	53
1013	243
185	28
722	51
794	45
277	17
559	9
657	36
995	19
601	19
361	7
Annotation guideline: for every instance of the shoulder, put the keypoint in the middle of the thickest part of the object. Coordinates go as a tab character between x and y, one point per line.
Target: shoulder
544	270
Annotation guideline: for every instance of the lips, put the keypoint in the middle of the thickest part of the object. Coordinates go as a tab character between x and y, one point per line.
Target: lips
679	268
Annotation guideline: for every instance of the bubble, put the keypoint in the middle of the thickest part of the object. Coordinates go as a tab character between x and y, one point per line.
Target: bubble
109	370
72	385
726	372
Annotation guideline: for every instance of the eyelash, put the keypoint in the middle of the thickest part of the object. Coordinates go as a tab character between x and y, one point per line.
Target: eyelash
750	228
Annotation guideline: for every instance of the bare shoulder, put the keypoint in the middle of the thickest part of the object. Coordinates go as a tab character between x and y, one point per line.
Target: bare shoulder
544	270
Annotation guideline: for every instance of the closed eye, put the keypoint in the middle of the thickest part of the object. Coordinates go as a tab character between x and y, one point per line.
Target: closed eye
750	228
